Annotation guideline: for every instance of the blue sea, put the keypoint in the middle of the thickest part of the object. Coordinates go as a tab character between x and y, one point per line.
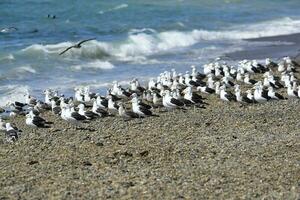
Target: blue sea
133	38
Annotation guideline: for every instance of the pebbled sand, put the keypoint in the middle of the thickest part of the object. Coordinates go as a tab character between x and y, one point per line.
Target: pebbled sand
225	151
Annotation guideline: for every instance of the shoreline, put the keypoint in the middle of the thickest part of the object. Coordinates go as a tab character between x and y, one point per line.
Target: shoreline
290	47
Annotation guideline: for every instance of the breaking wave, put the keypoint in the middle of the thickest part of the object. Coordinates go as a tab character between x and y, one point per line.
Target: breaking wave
96	65
141	43
118	7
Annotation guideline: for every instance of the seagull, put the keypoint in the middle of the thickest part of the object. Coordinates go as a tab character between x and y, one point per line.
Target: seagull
36	122
41	106
227	82
32	101
274	95
249	81
250	96
56	109
11	133
156	100
196	74
140	103
260	95
72	116
226	96
239	98
192	97
139	109
112	106
126	115
17	107
36	118
206	90
291	93
98	110
170	102
270	64
102	102
192	82
2	125
77	46
88	114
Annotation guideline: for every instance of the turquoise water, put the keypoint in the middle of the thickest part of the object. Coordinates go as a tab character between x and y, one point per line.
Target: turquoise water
133	38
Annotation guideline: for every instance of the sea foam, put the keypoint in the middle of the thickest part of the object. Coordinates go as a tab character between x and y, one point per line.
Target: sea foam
118	7
12	93
96	65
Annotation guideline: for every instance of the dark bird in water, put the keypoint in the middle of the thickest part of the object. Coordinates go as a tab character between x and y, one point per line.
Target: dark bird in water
51	16
77	46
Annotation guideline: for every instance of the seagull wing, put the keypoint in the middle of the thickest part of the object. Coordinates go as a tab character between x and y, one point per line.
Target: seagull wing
85	41
67	49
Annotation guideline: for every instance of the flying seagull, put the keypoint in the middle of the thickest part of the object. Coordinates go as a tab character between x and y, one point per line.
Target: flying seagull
78	45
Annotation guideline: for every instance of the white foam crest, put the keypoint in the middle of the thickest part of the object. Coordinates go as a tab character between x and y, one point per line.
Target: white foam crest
96	65
118	7
124	5
7	57
277	27
25	69
47	49
141	30
12	93
90	50
180	24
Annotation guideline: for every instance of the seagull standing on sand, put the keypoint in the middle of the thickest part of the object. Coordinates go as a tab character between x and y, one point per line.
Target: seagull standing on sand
226	96
170	102
192	97
98	110
77	46
73	117
139	109
274	95
112	106
270	64
126	115
88	114
56	109
206	90
250	96
291	93
11	133
260	95
35	122
2	125
102	102
249	81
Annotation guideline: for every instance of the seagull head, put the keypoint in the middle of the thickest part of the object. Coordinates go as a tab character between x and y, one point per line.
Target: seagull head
81	106
8	126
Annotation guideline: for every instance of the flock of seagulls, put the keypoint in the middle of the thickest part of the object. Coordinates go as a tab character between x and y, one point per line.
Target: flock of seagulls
249	82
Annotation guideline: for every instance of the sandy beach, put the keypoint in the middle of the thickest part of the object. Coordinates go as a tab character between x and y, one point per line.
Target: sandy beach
227	150
229	146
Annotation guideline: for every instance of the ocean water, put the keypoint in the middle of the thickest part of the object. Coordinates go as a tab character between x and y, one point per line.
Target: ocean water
133	39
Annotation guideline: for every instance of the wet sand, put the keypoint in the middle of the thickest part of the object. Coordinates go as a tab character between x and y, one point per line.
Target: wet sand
288	45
